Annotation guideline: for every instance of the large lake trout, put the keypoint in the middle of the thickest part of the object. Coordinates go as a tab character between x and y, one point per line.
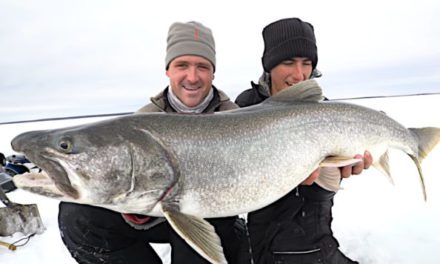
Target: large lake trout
190	167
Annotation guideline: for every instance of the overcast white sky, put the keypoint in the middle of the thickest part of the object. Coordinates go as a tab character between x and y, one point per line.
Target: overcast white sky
71	57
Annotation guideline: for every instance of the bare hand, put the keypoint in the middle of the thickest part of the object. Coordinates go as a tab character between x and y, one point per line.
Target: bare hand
346	171
311	179
357	168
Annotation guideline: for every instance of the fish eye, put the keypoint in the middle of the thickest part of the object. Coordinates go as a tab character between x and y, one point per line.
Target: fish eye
65	145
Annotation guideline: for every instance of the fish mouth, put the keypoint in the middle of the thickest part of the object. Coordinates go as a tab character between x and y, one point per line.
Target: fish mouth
53	181
39	183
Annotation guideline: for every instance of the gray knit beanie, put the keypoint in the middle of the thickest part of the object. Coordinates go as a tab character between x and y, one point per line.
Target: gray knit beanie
288	38
191	38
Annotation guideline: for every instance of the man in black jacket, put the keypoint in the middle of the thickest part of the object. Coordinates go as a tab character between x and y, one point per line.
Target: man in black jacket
297	228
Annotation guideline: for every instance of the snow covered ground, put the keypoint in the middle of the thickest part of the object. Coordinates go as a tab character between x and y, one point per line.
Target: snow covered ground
374	221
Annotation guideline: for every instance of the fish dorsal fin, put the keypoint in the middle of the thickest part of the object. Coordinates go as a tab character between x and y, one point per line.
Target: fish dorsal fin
305	91
198	233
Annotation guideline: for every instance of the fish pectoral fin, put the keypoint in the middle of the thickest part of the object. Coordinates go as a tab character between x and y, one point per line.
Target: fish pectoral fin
338	161
198	233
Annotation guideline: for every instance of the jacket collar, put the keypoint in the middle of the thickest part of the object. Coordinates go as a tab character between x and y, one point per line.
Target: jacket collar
161	101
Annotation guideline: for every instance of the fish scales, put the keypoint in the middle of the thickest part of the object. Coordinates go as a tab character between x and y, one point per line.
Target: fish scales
190	167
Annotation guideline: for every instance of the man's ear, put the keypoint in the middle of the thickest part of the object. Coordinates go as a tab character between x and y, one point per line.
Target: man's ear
167	73
213	76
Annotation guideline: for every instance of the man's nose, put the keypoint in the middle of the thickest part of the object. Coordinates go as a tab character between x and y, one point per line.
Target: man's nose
192	75
298	73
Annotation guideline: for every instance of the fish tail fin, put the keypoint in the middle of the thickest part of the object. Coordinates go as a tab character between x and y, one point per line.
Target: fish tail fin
428	138
422	179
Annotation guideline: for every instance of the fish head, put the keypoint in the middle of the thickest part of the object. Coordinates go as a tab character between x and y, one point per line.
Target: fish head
100	164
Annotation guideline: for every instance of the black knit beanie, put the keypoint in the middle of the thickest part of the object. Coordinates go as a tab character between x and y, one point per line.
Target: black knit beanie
288	38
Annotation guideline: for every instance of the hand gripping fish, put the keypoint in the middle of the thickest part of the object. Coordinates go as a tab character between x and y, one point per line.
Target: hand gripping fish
190	167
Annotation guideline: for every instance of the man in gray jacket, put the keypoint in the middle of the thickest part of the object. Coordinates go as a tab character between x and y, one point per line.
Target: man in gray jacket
97	235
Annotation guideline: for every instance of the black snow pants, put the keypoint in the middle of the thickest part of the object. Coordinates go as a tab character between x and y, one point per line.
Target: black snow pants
296	230
97	235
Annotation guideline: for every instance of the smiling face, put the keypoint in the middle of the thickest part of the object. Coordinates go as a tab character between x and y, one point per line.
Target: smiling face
190	78
290	72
